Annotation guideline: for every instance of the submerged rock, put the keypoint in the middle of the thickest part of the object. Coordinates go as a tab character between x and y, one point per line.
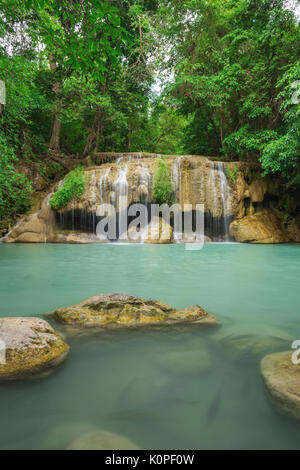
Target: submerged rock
29	346
127	310
248	347
186	363
282	378
102	440
261	227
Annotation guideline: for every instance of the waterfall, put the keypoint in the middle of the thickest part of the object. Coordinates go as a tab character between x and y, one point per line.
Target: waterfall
145	184
218	199
102	185
225	197
176	178
176	185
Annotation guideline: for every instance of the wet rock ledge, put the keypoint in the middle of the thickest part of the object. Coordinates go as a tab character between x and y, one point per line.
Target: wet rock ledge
112	310
29	346
282	378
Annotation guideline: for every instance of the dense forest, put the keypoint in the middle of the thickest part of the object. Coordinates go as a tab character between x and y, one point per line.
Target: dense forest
206	77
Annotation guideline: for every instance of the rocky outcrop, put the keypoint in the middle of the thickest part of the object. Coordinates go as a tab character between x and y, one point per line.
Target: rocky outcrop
220	186
29	346
34	228
125	311
261	227
282	378
257	190
158	231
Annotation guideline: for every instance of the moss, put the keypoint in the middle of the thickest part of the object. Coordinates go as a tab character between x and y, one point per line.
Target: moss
72	188
31	360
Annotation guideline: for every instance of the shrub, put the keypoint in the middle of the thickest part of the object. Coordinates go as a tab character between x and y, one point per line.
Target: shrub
162	187
73	187
15	188
232	173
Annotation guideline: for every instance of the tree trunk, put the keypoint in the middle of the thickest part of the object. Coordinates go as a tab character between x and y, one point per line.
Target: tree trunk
54	143
94	135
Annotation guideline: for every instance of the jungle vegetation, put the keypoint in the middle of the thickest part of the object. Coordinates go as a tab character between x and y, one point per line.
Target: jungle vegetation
208	77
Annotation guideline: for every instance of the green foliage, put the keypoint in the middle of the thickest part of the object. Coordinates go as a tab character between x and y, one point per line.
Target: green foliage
50	171
232	173
15	188
235	66
162	187
282	155
73	187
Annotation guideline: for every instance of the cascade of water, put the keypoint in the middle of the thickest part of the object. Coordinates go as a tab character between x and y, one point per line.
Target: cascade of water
225	197
102	185
218	195
120	187
176	184
146	182
176	178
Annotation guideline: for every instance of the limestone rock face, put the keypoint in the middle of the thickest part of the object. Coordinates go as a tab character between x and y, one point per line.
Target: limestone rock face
195	180
125	310
34	228
158	231
29	346
258	190
293	231
261	227
282	378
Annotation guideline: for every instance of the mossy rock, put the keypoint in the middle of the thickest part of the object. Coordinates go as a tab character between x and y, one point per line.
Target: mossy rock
29	346
123	310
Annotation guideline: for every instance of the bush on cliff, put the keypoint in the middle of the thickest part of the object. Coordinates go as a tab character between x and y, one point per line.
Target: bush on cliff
72	188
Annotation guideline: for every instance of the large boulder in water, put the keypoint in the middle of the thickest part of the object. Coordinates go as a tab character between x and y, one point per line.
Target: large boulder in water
261	227
28	346
126	310
282	378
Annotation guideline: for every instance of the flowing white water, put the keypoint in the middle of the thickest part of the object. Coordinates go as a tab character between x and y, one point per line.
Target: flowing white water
225	196
120	158
103	185
146	181
176	184
120	187
218	195
176	177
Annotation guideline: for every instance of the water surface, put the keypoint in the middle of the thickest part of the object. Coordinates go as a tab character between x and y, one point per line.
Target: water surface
173	387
